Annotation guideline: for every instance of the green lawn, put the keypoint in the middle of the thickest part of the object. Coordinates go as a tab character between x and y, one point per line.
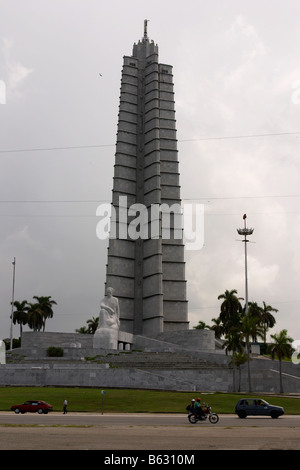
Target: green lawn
131	401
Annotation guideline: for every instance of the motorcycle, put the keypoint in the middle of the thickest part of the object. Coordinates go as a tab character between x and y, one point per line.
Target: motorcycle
206	413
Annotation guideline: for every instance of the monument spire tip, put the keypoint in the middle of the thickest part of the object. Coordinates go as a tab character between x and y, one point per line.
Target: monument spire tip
145	30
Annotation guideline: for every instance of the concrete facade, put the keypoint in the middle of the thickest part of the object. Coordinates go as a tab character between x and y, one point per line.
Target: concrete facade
37	343
151	364
147	273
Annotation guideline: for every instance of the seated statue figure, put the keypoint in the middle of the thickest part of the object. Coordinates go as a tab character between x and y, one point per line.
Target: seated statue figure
109	316
106	336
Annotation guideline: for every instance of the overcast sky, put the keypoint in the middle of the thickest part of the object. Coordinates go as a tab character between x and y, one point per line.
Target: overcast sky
237	96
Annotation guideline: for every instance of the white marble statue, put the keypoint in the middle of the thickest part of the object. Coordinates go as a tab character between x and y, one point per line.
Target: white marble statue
106	336
109	316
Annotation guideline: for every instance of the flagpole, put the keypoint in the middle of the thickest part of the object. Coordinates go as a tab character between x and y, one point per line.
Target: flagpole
12	303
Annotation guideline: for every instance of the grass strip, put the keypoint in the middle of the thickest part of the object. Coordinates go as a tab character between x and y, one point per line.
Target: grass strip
132	400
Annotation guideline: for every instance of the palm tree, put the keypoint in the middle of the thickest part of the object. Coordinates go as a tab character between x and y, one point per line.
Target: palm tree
250	328
231	309
201	326
35	317
82	330
46	307
93	325
233	342
255	310
281	348
217	327
20	314
267	319
240	359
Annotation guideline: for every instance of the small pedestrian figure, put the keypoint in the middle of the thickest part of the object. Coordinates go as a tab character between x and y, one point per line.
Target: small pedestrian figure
65	407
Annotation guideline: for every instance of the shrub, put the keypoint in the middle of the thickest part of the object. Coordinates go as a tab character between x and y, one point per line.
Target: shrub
53	351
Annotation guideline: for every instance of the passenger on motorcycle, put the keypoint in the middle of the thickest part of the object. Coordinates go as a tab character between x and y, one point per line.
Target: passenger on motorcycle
191	406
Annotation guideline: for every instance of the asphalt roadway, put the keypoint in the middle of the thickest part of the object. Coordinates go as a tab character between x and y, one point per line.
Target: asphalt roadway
141	432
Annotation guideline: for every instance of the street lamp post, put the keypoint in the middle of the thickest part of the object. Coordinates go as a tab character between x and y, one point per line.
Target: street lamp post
245	232
12	303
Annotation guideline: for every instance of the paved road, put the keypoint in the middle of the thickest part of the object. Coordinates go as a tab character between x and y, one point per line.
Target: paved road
140	419
87	431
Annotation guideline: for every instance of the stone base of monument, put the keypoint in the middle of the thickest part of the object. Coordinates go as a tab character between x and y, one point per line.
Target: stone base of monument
106	338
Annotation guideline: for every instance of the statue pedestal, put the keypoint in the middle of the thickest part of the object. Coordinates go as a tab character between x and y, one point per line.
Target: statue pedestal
106	338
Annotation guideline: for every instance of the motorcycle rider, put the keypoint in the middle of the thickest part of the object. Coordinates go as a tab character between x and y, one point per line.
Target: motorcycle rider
198	408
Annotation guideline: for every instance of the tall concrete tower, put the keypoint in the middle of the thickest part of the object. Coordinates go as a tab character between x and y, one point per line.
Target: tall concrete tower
147	272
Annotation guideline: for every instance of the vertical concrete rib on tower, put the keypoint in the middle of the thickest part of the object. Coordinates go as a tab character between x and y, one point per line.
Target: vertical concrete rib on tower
147	273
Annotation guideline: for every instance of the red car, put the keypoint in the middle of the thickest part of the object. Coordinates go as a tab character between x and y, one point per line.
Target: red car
36	406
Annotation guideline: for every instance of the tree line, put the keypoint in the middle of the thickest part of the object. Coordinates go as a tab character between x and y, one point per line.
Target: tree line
33	314
237	328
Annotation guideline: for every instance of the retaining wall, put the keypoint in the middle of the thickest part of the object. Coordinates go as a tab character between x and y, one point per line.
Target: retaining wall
35	369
